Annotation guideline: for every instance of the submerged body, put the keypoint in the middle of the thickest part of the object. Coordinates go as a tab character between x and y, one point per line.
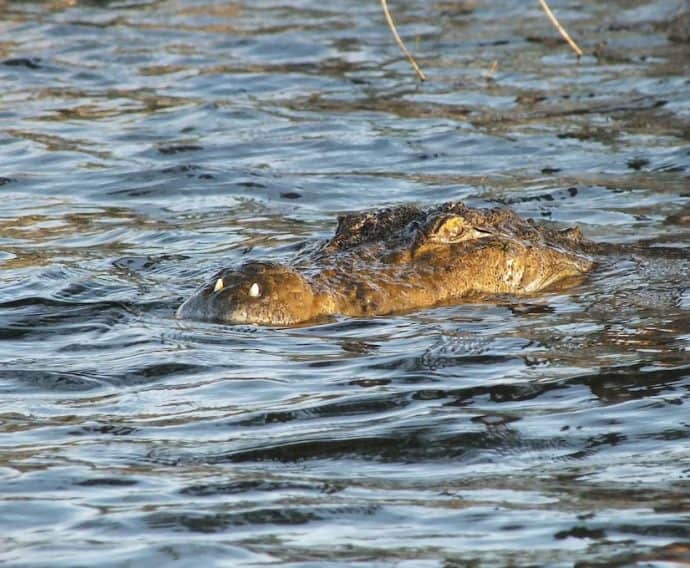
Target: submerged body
394	260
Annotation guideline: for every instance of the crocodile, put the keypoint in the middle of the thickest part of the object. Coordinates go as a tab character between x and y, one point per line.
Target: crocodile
395	260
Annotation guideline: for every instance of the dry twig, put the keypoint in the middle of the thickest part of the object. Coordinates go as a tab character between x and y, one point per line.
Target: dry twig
400	43
492	71
560	28
420	73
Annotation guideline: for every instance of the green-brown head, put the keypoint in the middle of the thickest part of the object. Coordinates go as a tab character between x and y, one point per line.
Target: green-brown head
256	292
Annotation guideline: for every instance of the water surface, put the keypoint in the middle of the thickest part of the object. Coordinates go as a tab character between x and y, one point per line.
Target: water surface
144	145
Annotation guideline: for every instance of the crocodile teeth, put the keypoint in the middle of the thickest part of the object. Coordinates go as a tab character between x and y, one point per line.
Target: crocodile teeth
219	285
254	290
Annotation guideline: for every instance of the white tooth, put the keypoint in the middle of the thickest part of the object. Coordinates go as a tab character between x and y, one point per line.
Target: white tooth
219	285
254	290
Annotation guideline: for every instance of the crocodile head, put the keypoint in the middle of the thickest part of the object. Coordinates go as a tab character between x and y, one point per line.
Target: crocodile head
397	259
257	292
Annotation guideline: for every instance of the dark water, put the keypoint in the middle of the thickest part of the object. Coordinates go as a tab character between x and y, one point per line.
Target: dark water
143	145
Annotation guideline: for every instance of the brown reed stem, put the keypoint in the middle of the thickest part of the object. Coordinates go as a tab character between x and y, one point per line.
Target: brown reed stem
401	45
560	28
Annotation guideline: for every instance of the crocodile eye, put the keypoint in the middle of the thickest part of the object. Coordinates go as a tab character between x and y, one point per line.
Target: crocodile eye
255	290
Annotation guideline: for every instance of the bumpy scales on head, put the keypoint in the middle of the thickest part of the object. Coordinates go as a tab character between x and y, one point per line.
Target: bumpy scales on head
397	259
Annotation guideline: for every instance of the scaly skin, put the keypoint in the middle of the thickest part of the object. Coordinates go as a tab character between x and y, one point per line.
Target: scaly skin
394	260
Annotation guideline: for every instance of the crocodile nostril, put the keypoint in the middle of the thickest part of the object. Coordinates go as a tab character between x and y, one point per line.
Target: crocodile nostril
255	290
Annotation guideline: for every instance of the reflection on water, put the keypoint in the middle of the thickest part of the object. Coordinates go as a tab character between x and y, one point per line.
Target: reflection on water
147	144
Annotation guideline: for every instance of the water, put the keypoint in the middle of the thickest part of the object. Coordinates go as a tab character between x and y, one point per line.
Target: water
144	145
